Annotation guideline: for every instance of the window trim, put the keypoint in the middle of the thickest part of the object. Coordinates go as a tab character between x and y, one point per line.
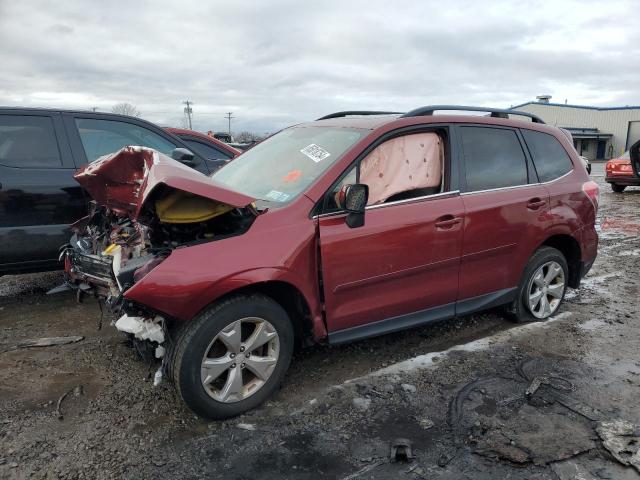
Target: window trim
450	159
454	193
532	175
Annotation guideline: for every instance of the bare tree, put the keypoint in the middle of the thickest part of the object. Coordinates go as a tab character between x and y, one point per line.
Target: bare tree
247	137
126	109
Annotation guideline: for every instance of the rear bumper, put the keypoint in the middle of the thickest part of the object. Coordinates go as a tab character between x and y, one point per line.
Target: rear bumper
629	180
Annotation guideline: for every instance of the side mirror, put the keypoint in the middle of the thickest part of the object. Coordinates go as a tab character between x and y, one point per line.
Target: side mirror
634	152
183	156
353	199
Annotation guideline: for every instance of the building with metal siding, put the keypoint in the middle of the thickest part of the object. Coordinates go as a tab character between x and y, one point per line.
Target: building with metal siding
598	132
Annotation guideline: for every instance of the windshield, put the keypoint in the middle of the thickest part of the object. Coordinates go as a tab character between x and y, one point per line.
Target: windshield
284	165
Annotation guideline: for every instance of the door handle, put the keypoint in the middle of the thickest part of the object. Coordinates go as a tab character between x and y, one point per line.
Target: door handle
535	204
447	221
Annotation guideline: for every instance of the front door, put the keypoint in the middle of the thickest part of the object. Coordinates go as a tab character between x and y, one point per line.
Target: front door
602	145
400	268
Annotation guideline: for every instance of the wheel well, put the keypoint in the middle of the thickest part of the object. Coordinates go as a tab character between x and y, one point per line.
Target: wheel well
289	298
570	248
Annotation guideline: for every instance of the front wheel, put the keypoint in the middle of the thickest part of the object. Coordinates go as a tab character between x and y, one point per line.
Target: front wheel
233	356
542	288
618	188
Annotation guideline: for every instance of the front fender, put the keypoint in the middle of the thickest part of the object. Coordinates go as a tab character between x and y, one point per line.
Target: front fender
192	278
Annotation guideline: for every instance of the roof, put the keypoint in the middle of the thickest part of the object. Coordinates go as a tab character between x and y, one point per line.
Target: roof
587	133
68	110
369	122
585	107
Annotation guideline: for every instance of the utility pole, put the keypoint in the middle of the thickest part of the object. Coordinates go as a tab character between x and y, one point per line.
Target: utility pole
229	117
188	111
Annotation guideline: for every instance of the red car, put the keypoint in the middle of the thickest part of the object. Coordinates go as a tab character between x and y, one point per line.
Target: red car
216	152
344	228
619	173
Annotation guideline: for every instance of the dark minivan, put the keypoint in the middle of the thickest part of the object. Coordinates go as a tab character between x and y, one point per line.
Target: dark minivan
40	149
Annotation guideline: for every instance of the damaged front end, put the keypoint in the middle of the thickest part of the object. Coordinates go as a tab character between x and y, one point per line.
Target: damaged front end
145	205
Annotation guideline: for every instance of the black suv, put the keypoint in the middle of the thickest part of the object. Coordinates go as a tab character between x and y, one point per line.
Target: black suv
40	149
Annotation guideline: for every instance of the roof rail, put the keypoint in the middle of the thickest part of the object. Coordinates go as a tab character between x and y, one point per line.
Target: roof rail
355	112
495	112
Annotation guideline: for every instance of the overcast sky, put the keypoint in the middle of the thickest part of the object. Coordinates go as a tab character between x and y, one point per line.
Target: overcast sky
275	63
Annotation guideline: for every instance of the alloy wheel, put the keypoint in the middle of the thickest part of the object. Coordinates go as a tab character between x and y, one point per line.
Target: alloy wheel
545	289
240	359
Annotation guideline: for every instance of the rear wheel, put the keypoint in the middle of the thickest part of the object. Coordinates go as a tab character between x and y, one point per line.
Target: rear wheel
233	356
618	188
542	287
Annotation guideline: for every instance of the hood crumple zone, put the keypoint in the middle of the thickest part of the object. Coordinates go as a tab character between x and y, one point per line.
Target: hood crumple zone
123	181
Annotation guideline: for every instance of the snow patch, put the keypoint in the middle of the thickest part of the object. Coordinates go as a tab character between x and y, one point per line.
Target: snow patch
592	325
432	358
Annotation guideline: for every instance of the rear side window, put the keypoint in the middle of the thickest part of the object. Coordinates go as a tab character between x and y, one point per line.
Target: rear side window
205	150
101	137
493	158
549	157
28	141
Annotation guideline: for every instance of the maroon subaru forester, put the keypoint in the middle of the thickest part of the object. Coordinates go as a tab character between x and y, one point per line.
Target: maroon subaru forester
351	226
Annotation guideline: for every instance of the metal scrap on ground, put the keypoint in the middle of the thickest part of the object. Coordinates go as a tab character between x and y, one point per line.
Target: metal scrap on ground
48	341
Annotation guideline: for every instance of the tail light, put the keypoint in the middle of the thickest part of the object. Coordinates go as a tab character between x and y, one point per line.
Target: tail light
592	191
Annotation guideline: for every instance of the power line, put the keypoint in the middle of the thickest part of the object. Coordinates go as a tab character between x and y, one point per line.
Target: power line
229	117
188	111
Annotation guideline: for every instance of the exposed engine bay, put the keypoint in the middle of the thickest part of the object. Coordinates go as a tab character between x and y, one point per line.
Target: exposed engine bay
141	212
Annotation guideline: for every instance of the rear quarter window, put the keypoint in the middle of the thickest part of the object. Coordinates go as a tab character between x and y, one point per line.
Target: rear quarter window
549	156
28	141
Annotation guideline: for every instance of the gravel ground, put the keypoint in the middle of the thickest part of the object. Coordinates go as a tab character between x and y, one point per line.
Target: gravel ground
456	390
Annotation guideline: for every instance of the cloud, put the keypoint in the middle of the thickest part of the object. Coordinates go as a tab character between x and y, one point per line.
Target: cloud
282	62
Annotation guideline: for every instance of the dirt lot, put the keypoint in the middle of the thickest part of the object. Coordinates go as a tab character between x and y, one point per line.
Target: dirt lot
456	390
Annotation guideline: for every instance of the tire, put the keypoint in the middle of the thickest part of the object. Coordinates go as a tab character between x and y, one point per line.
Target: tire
618	188
202	336
520	311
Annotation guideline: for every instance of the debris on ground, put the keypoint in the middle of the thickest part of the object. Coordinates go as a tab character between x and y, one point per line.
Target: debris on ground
361	403
622	440
48	341
401	450
246	426
77	391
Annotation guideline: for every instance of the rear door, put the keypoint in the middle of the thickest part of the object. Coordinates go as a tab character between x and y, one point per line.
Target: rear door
506	212
95	135
38	196
403	260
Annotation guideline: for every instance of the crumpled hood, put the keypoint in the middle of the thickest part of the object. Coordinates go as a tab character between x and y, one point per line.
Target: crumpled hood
122	181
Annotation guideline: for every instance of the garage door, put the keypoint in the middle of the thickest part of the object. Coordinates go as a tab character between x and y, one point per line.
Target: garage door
634	134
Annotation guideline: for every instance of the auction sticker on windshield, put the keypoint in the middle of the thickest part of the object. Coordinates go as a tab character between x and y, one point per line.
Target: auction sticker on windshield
277	196
315	152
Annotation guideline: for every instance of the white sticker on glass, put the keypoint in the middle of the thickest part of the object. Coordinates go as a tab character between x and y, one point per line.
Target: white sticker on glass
315	152
277	196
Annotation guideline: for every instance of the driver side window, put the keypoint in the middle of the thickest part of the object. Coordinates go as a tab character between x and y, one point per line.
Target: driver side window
404	167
